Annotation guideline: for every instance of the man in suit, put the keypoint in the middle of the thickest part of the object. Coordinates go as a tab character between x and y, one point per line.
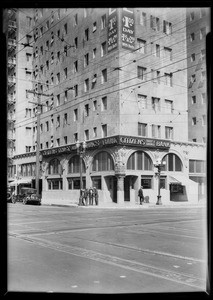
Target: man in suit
140	195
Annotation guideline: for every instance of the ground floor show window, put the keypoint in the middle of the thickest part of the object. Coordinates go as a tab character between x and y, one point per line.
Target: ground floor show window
74	183
55	184
146	182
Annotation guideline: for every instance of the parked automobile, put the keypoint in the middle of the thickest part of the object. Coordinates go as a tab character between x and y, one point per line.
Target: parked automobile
10	195
30	196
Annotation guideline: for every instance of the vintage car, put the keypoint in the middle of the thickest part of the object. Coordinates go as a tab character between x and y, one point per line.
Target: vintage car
30	196
10	197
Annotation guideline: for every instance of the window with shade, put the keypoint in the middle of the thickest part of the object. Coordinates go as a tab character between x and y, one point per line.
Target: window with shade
54	166
172	163
74	165
102	162
139	161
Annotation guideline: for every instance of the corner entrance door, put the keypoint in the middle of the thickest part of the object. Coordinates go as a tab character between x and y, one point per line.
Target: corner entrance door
127	184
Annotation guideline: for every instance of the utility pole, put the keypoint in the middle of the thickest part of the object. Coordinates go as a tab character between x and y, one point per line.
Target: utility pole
38	137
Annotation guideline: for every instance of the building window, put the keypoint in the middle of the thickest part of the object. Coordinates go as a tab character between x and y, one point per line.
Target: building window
203	75
142	101
155	103
86	135
55	184
141	44
86	34
75	66
168	132
65	119
75	90
57	78
192	37
192	57
102	162
75	19
104	76
143	19
74	165
75	115
202	33
139	160
104	103
192	16
94	80
58	56
142	73
47	145
65	140
154	23
95	105
194	121
193	99
172	163
86	60
103	49
167	27
58	142
94	27
169	106
156	131
86	110
53	167
104	130
47	126
65	73
76	43
65	28
146	182
103	21
86	85
65	96
142	129
58	100
94	53
168	53
168	79
197	166
75	137
58	122
203	120
203	98
95	132
203	54
202	12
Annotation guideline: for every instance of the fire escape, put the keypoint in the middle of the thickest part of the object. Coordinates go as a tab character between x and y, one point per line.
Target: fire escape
11	83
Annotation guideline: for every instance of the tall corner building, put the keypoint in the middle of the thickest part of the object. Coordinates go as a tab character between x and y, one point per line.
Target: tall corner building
116	79
198	26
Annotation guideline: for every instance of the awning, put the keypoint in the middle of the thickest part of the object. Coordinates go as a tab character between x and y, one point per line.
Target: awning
20	181
174	180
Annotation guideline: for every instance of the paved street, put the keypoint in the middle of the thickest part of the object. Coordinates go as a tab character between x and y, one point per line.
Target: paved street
102	250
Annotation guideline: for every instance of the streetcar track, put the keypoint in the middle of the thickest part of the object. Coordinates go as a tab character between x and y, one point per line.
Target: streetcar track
177	277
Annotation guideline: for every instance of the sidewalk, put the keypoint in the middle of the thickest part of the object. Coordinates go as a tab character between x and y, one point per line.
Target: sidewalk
131	206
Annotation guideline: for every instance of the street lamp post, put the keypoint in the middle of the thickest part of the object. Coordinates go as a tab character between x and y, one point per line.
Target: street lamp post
81	147
158	164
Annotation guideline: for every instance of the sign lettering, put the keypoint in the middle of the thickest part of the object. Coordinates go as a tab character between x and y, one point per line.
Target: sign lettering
128	29
112	30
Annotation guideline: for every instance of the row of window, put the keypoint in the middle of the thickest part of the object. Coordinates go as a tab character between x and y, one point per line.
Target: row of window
196	120
201	14
193	79
155	131
156	76
102	161
201	57
155	103
202	98
156	49
202	34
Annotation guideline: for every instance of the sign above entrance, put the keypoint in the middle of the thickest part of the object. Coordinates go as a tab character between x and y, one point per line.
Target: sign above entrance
111	141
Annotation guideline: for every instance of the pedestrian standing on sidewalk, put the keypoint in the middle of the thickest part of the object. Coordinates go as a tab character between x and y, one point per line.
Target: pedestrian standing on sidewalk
95	193
140	195
86	195
91	196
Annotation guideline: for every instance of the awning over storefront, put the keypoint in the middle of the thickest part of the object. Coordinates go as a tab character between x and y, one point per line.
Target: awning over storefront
20	181
174	180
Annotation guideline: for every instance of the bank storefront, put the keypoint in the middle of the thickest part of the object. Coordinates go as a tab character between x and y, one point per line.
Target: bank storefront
117	166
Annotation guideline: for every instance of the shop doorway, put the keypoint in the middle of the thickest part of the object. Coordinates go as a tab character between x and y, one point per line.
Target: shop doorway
129	185
111	182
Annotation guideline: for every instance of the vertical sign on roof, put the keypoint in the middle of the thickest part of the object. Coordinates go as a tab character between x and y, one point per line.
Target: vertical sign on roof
112	29
128	28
